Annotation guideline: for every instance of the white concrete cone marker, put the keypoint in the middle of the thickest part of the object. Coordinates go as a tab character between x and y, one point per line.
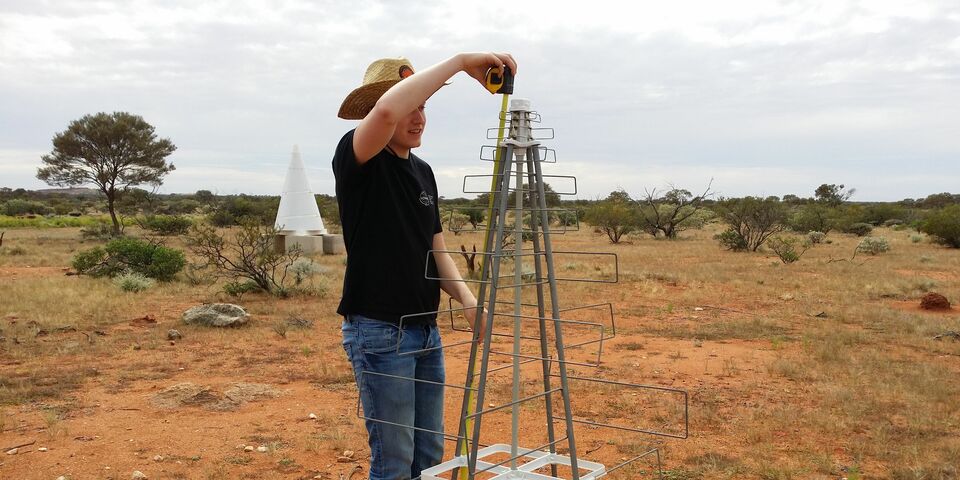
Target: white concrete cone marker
298	213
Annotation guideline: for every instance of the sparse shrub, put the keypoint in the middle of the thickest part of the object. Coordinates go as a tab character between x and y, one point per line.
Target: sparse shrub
130	254
731	240
17	207
567	218
97	231
892	222
916	238
859	229
197	274
166	225
238	289
615	218
944	226
873	245
16	251
248	253
475	215
815	217
303	268
816	237
86	261
236	210
457	222
789	249
132	282
753	219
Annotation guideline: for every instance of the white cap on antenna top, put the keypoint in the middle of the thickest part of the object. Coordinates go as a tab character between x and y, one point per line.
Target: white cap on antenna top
519	105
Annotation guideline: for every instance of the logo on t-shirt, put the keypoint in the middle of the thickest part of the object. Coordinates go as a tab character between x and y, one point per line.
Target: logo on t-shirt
426	200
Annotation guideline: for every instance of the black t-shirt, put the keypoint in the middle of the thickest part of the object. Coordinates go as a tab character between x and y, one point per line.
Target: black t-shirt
389	214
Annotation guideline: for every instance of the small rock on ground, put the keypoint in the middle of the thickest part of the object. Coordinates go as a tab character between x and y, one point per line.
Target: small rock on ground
217	315
174	334
138	475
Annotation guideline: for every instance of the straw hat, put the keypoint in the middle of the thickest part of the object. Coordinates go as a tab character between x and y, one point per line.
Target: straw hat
381	75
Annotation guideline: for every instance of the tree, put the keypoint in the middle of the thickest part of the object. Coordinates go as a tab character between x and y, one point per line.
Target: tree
670	213
833	194
944	226
752	219
616	216
814	217
110	151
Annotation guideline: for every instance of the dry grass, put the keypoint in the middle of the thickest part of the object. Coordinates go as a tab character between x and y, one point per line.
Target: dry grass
837	373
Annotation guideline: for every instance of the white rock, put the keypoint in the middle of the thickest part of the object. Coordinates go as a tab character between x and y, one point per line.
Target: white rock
42	449
263	449
138	475
313	416
13	451
248	448
698	309
61	477
158	458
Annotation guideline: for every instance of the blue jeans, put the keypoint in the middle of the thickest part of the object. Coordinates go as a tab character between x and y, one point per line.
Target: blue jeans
396	450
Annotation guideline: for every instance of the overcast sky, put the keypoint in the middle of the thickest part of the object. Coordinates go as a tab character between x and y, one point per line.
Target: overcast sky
764	97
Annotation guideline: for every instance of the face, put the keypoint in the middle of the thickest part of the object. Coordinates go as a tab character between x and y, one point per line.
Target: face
410	130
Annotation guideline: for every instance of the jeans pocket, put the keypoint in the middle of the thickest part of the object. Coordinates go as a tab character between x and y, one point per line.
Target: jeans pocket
378	337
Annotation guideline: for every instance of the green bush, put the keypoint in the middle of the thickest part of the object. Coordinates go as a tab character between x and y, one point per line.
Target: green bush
752	219
731	240
132	282
130	254
237	289
87	261
166	225
814	218
859	229
944	226
16	207
816	237
916	238
615	218
873	245
787	248
97	231
567	218
893	222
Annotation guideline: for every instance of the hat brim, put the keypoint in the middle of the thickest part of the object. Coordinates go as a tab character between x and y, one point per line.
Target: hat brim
361	100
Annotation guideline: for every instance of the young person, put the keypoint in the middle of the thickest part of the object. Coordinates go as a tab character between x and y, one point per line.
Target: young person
388	209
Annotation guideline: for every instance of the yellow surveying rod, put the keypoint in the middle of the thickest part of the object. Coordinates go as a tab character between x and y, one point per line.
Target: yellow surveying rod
497	81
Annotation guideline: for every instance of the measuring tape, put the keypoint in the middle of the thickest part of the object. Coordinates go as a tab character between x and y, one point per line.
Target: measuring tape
497	81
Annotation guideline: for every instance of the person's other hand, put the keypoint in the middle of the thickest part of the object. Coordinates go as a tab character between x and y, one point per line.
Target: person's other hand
477	64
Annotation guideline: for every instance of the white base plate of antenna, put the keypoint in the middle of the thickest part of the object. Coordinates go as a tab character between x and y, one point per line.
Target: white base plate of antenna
528	463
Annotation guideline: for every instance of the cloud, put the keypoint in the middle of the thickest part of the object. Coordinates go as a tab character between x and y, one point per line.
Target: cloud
801	88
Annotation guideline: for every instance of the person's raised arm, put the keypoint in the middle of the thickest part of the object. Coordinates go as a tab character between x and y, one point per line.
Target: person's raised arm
377	128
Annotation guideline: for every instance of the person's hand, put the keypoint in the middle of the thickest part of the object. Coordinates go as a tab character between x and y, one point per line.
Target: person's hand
477	64
474	316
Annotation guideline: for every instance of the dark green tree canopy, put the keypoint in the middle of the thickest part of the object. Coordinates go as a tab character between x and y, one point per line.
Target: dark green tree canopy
111	151
833	194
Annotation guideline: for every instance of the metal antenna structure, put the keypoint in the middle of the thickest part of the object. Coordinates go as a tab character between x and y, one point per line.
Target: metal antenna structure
550	343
